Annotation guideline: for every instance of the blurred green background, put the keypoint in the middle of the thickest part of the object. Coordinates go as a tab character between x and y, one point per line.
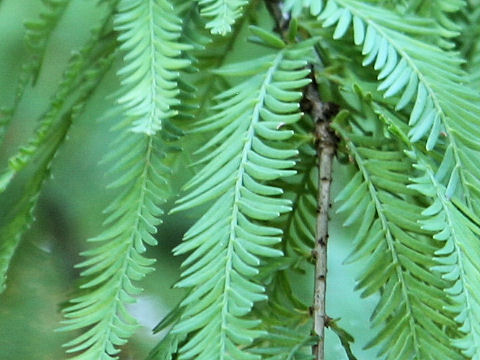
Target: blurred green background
70	210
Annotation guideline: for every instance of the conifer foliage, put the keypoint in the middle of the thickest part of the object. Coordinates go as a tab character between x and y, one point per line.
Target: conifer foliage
402	77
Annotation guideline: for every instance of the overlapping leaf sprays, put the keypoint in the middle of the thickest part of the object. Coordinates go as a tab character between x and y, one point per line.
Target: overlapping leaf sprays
409	127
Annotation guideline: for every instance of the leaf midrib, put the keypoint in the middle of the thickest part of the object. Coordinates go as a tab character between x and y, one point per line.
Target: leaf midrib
445	204
126	260
153	62
238	185
389	239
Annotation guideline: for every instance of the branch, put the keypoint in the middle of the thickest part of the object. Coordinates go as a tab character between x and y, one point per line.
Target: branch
322	113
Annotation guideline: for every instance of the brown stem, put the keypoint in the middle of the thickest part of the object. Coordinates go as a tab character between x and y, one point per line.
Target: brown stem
322	113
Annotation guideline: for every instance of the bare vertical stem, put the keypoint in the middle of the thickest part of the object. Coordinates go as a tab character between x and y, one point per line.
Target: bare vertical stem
326	144
322	113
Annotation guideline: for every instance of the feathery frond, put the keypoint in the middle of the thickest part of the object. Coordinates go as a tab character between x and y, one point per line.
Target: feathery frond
401	69
83	73
246	153
441	104
397	251
286	317
206	55
298	227
149	32
300	232
38	33
20	217
222	13
112	266
402	74
36	39
458	260
457	230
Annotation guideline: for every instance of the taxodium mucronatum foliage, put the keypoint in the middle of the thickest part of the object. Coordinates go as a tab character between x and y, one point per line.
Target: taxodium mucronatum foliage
233	91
